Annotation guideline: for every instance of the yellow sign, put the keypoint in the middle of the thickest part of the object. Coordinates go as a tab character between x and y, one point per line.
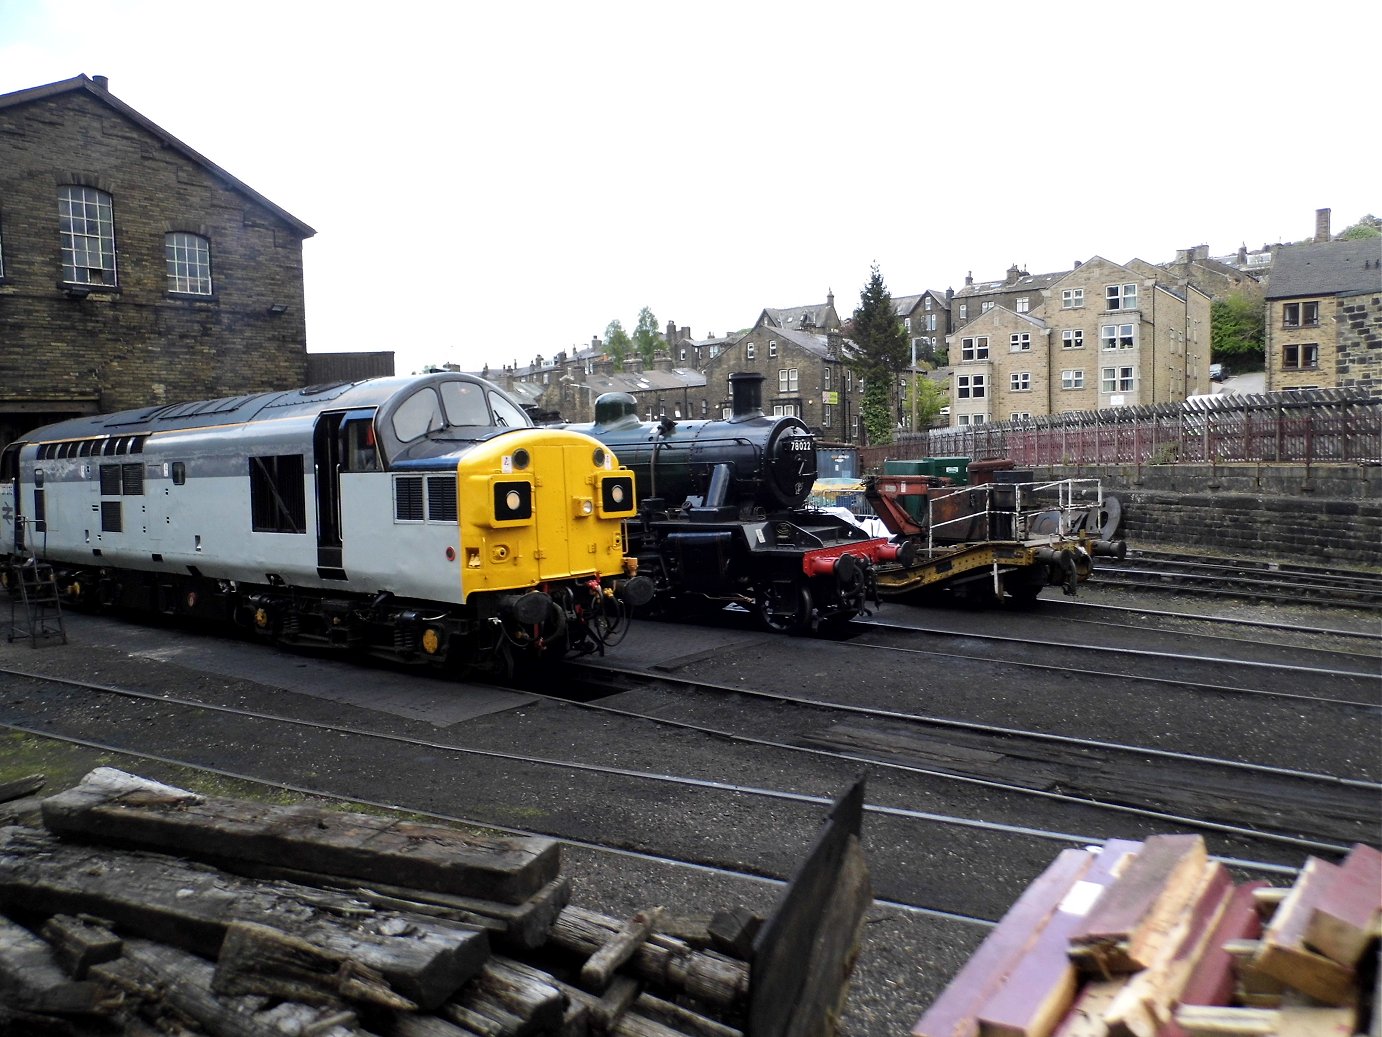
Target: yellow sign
831	397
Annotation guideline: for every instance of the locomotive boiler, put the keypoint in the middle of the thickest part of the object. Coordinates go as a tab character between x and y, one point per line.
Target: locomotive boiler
423	518
721	517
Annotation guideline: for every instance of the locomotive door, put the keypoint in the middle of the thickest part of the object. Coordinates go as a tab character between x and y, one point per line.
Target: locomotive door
9	497
326	456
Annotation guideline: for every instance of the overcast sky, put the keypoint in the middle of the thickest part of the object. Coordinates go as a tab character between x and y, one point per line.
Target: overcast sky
494	181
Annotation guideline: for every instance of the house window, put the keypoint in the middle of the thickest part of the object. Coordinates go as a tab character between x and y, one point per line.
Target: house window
974	348
930	320
1072	379
1121	296
984	307
1304	357
973	419
1020	381
772	348
787	410
683	354
969	386
928	302
1300	314
1072	338
87	223
1024	305
750	351
827	379
826	418
849	380
1116	336
277	497
787	380
1021	342
1116	379
189	263
1071	298
1020	415
964	311
907	325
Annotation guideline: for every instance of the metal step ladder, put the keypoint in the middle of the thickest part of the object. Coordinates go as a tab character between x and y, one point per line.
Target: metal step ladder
35	607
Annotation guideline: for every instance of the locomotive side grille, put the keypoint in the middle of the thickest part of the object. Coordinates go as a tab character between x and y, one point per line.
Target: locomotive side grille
407	498
441	498
110	480
111	517
132	479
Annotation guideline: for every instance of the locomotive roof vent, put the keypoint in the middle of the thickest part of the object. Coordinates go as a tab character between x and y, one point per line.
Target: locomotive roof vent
746	393
613	408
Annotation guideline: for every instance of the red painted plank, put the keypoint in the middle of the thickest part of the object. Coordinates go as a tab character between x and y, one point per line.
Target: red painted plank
1345	914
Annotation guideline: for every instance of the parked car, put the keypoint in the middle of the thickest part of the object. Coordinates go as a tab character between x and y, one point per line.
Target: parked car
1216	372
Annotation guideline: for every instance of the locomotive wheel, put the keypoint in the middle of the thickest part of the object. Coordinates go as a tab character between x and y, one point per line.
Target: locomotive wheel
785	607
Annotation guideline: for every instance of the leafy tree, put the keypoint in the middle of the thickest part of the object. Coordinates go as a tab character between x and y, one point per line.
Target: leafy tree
878	353
930	398
1369	226
1237	329
645	336
617	343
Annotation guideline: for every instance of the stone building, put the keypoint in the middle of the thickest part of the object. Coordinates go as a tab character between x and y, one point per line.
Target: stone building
1324	316
1104	335
1019	291
133	270
926	320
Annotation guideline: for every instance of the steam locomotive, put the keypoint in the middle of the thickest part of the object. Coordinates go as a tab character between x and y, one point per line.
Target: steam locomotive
422	518
721	517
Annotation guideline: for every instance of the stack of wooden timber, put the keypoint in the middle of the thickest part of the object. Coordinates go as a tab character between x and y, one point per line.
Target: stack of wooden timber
1152	939
303	921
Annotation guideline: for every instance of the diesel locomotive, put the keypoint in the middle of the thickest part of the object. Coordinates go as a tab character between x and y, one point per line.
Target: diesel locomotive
422	518
721	517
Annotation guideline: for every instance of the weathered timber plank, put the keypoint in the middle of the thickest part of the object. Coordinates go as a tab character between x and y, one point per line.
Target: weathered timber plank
79	943
522	993
956	1012
1217	1021
1346	915
1126	924
31	979
1086	1015
258	959
682	1019
1036	995
1213	978
183	982
19	788
360	846
1146	1004
190	906
665	962
1283	953
598	968
425	1026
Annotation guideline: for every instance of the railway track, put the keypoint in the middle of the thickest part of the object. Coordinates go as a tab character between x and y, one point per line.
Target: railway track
1146	570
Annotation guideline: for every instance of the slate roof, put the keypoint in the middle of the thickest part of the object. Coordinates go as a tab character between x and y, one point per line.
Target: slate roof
791	316
1327	268
1027	282
86	85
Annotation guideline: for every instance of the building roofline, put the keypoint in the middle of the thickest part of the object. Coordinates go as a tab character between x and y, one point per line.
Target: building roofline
89	86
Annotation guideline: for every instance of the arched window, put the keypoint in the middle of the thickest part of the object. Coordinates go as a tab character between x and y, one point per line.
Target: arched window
189	263
87	222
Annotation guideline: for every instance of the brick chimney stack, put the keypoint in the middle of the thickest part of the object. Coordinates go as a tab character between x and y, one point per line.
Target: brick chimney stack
1321	225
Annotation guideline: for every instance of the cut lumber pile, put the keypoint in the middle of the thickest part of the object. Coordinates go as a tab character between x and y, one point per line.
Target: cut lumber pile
1153	939
140	908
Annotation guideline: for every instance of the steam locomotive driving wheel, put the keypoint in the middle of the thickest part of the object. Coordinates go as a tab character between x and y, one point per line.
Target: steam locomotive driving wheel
784	606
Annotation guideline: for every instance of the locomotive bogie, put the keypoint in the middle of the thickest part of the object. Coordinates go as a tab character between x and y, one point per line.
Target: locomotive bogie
364	516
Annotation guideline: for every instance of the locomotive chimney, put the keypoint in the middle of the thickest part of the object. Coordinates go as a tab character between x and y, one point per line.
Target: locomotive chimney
746	392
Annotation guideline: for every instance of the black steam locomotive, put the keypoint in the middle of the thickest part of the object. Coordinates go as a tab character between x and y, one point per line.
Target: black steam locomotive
721	517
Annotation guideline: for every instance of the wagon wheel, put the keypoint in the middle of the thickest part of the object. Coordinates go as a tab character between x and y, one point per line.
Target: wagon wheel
784	606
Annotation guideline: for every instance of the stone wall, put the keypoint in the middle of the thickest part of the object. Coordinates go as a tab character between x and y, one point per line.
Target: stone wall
1318	514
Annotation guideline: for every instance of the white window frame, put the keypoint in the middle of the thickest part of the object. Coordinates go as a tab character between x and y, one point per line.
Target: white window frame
1019	415
86	219
984	307
1117	379
974	349
787	380
974	419
1072	338
1020	381
907	325
1114	337
1020	342
1304	352
970	387
188	259
826	377
1072	298
1072	379
1120	296
750	351
1024	305
772	348
784	410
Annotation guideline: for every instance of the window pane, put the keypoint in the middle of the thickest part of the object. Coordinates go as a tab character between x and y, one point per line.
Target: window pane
87	235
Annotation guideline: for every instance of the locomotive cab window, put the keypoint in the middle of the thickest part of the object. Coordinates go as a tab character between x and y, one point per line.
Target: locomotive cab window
465	403
506	415
418	415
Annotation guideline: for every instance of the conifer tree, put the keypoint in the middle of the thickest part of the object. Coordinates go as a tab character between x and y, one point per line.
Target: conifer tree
878	354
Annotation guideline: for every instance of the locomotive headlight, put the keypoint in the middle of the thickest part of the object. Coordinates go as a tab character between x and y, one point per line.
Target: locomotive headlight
616	495
583	507
513	501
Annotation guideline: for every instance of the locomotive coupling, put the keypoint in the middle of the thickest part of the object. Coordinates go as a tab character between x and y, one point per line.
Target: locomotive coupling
1110	549
528	609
